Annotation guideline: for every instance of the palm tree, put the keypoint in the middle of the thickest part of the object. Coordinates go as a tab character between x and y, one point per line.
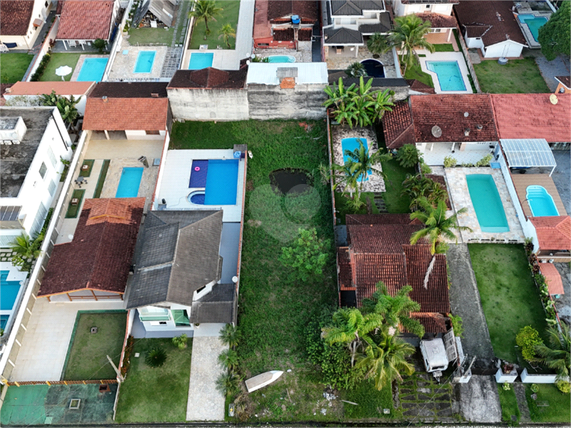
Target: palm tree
229	359
225	33
409	34
385	361
205	9
436	224
378	44
356	70
230	335
351	328
25	250
394	309
66	106
361	163
557	355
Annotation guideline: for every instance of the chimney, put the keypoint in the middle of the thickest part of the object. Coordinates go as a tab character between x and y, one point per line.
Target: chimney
287	77
479	127
466	131
104	98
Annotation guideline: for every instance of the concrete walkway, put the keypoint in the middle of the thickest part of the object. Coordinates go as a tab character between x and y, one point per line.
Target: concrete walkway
519	389
479	400
465	301
562	176
205	403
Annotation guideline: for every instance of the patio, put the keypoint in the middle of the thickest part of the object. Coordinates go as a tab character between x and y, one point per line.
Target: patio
522	181
375	182
434	153
340	61
123	67
460	198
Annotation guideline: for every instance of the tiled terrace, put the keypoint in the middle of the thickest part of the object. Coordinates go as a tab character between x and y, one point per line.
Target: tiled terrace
123	67
460	198
434	153
375	182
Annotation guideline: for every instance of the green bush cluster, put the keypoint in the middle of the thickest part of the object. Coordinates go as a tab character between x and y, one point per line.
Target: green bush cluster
42	67
527	339
564	386
450	162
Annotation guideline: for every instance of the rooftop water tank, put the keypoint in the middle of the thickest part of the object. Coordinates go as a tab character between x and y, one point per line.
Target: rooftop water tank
295	19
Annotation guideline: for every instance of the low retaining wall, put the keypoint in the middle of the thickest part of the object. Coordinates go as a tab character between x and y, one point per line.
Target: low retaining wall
537	378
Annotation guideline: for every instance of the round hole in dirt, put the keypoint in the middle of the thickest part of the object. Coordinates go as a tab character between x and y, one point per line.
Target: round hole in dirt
288	180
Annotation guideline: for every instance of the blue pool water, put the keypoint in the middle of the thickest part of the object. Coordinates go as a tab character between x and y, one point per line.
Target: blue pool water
540	202
487	203
129	183
221	182
373	68
351	144
533	22
198	61
8	292
92	70
449	75
198	173
145	61
281	58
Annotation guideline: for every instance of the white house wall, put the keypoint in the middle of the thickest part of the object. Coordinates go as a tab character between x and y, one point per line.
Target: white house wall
507	49
34	100
408	9
40	11
142	135
474	43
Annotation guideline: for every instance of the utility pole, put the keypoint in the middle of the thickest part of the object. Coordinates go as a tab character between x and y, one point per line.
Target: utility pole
117	371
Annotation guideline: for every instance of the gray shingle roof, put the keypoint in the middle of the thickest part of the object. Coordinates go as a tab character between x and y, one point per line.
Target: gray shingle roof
342	36
177	253
216	307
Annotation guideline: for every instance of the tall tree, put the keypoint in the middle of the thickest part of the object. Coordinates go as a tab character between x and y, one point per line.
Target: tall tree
556	355
385	360
225	33
554	35
362	163
395	310
379	44
351	328
66	106
207	10
25	250
409	34
308	254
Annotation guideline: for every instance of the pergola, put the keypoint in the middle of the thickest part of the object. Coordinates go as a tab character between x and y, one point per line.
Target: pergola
528	153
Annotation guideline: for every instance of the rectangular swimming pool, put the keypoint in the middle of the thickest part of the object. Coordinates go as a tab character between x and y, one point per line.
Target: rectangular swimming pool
92	70
487	203
221	182
351	144
449	75
533	22
129	183
145	61
198	60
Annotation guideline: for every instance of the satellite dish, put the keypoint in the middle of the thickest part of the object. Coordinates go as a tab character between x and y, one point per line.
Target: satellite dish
553	99
436	131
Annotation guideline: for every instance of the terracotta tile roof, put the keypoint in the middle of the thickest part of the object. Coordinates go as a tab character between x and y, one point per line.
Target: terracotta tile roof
364	219
308	11
437	20
61	88
552	277
494	21
120	114
553	233
432	322
100	255
398	127
449	113
430	1
130	90
565	80
380	238
369	269
531	116
16	15
209	78
418	86
85	20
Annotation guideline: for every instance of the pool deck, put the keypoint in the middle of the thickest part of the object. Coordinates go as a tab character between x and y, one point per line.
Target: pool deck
375	183
445	56
521	181
532	43
460	198
80	62
173	185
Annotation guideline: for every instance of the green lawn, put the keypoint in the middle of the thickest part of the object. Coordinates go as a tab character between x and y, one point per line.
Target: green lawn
447	47
73	210
551	404
415	72
229	15
86	172
516	77
155	394
370	402
509	297
145	36
13	66
87	356
508	401
57	60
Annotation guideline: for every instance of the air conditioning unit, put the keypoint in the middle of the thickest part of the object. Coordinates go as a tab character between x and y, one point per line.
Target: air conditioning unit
15	141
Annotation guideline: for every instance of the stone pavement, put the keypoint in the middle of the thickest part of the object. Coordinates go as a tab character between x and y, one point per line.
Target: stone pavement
519	389
465	301
479	400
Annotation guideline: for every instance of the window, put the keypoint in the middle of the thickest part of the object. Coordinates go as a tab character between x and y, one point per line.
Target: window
52	157
43	169
152	313
52	188
39	220
153	132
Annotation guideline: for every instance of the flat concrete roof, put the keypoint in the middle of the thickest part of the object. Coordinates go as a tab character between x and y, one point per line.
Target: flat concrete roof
17	158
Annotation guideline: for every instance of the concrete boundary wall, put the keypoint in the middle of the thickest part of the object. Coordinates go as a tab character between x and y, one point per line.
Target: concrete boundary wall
43	50
537	378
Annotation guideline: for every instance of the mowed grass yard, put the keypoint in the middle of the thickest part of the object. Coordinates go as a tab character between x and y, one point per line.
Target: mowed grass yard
57	60
229	15
155	394
13	66
509	297
274	309
551	405
87	356
518	76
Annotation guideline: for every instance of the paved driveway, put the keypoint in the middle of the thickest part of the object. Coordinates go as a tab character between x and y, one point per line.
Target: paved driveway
562	176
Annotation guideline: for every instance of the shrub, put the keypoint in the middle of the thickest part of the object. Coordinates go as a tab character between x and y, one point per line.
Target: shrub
356	70
527	339
506	386
228	383
99	44
450	162
534	388
41	67
180	341
308	254
564	386
424	168
408	156
485	161
156	357
127	358
457	325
